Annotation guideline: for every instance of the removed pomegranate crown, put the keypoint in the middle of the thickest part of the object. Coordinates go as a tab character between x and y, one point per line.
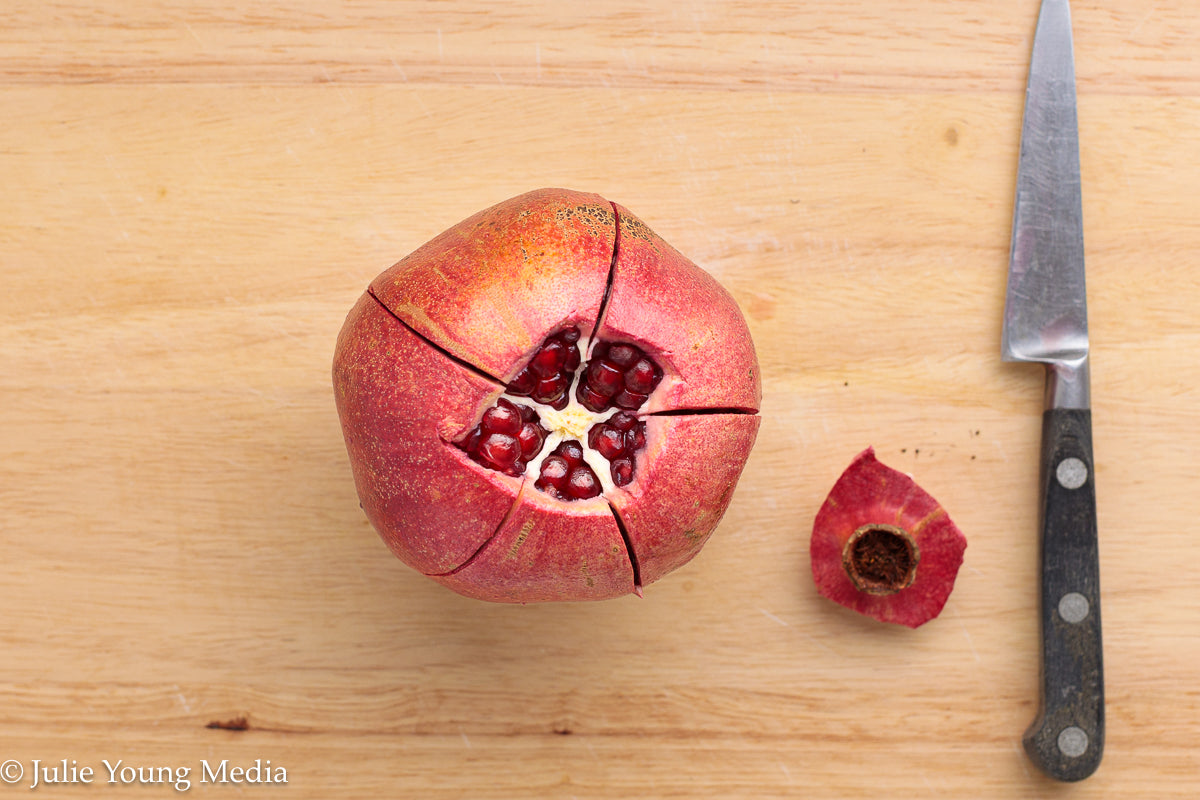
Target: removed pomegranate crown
546	402
881	545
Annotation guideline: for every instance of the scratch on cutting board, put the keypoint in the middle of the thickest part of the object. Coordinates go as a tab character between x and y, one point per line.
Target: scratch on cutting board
193	33
466	741
967	635
821	644
771	616
1136	28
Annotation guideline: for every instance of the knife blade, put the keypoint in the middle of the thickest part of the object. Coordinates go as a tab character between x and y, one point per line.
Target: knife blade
1045	321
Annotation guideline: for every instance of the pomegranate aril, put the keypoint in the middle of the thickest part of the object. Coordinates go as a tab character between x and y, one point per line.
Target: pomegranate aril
548	360
623	355
604	378
555	471
622	471
629	400
622	421
583	483
572	451
635	438
523	384
502	418
500	450
471	443
591	399
642	377
531	438
610	442
550	389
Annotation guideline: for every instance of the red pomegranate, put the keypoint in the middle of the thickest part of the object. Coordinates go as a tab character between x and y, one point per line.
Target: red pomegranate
546	402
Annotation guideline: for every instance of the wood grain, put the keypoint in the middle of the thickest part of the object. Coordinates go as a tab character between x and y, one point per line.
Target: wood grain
196	193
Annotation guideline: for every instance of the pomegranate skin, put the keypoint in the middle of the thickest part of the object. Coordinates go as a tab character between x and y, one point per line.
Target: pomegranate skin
664	303
697	457
434	344
870	494
549	550
489	289
399	400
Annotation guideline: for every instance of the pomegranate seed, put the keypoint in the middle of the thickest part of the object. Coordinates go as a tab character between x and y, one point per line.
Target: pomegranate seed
570	335
555	470
635	438
628	399
622	421
502	418
583	483
531	438
622	471
591	400
471	444
610	442
550	389
572	451
623	355
523	384
604	378
642	377
500	450
548	360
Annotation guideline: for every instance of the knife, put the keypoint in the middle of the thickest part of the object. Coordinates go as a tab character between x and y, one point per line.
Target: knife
1045	321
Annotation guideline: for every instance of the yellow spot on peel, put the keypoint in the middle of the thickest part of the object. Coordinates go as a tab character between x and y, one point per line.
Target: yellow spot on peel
930	517
526	529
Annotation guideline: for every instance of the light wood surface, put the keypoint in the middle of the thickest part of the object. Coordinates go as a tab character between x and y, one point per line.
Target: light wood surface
194	194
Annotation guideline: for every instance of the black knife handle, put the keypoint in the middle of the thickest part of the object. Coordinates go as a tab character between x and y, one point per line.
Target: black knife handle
1066	740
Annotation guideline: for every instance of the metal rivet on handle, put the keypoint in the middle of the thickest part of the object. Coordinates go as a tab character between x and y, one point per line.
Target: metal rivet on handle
1072	742
1071	473
1073	607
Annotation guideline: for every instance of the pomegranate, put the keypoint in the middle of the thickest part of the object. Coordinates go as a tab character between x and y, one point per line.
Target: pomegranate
883	547
546	402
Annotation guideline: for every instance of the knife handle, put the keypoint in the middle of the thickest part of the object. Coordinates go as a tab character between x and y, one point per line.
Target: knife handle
1066	740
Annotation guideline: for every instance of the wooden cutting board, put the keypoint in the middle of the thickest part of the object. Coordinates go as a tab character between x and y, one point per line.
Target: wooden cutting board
194	194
